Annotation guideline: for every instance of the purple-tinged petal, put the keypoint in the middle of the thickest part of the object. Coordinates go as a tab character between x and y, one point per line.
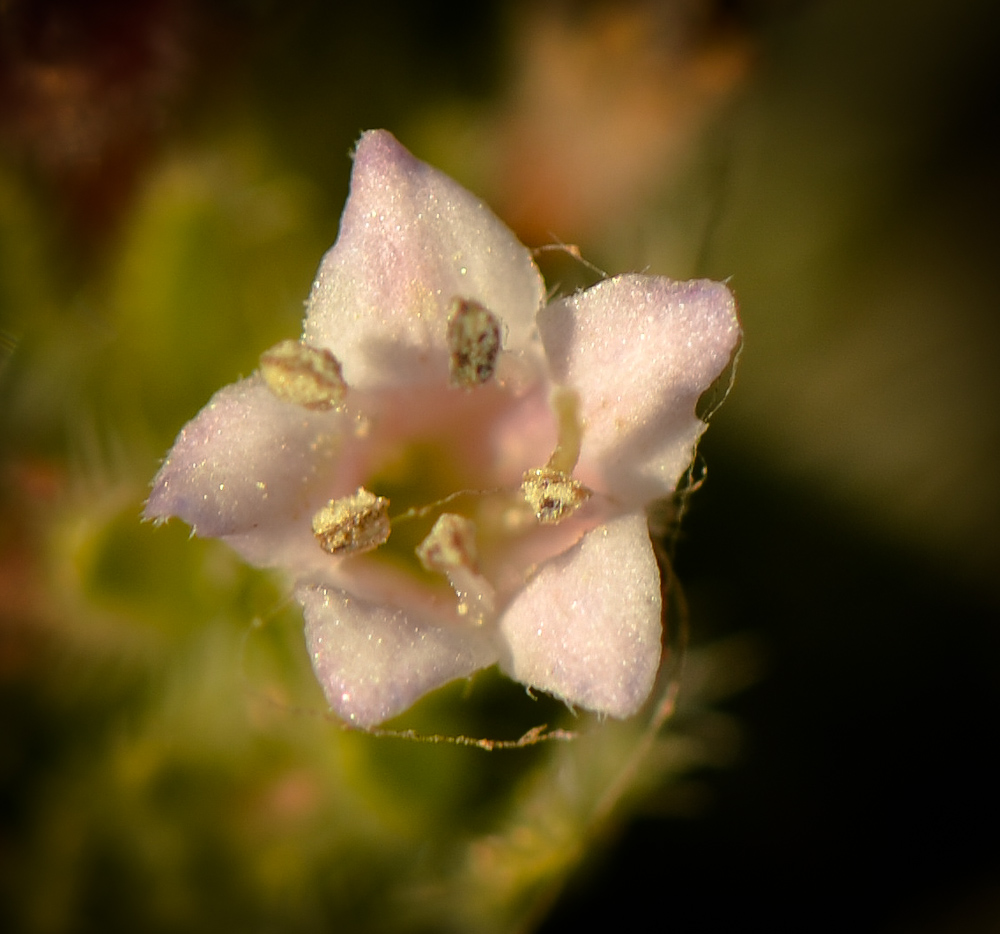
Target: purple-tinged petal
373	662
245	462
587	627
639	351
411	240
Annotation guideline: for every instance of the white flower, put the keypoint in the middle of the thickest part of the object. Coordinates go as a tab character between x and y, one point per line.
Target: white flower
453	473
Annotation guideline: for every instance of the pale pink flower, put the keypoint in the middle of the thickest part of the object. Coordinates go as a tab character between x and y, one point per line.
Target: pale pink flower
454	473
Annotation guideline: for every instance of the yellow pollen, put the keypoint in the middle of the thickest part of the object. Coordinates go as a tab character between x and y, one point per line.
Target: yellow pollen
303	375
552	494
353	524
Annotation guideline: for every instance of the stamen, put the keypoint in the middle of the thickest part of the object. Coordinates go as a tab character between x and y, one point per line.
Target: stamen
450	544
566	404
353	524
450	549
552	494
474	339
303	375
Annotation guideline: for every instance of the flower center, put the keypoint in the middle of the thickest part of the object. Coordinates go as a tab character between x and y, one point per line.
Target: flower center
453	488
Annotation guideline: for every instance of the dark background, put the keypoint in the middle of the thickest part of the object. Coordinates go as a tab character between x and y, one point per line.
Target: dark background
836	161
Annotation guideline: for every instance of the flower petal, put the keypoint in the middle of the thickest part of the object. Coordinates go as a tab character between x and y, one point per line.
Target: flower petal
245	462
411	240
373	662
639	351
586	628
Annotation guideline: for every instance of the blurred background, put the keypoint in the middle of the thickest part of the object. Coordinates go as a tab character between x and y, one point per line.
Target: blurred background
171	173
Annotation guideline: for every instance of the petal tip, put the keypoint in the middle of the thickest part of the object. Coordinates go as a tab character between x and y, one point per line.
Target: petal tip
587	627
376	149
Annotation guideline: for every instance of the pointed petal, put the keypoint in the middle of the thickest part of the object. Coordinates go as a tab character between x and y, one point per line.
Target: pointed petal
247	462
587	626
640	350
411	240
373	662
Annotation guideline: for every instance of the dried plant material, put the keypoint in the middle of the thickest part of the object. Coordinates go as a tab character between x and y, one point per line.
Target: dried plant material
534	736
352	525
303	375
474	339
552	494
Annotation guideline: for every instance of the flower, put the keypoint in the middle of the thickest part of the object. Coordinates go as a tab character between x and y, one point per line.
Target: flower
454	473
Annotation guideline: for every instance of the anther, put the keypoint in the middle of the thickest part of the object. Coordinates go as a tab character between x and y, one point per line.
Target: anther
353	524
303	375
552	494
450	549
450	544
474	339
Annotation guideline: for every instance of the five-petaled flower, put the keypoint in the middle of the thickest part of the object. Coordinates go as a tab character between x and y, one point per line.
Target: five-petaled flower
454	473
